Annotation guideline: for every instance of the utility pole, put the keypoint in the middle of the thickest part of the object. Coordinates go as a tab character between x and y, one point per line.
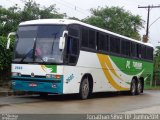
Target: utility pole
145	37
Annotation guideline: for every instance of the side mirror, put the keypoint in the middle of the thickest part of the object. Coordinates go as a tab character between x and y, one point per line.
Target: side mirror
9	40
61	43
62	40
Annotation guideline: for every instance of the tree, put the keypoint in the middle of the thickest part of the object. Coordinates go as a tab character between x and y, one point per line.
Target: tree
32	11
157	52
11	17
117	20
156	72
5	55
74	18
9	20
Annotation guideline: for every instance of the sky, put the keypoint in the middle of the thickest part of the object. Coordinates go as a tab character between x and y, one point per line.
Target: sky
81	9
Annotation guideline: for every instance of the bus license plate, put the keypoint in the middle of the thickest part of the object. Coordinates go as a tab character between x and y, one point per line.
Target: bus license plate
33	85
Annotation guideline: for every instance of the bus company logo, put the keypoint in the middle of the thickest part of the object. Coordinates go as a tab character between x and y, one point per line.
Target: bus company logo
136	65
128	63
69	78
18	67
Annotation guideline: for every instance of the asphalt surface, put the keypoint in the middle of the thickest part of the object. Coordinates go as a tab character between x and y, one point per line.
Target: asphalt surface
70	104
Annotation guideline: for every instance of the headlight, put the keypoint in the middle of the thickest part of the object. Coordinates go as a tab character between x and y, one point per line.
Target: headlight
13	83
16	74
50	76
53	76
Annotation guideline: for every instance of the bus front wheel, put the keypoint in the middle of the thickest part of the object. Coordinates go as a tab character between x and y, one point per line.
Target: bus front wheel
84	89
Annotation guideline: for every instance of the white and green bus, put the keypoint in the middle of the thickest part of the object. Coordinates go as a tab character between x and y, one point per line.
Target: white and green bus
61	56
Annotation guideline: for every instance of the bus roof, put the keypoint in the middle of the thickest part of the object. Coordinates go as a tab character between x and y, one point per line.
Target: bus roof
69	21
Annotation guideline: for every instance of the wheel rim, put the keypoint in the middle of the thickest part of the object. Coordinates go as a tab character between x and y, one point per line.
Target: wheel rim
133	87
85	88
139	87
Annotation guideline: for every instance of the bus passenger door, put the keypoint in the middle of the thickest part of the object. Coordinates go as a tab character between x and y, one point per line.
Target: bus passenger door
72	50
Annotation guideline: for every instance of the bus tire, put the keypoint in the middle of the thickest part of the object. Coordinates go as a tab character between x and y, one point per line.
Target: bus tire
142	83
139	87
84	88
133	88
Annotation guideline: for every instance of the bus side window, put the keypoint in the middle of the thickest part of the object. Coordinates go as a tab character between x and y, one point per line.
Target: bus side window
143	51
139	51
72	46
92	39
103	42
149	52
72	49
133	49
85	37
114	45
88	38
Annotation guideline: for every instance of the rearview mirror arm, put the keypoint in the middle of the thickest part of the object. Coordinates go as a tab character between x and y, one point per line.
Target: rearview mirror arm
8	38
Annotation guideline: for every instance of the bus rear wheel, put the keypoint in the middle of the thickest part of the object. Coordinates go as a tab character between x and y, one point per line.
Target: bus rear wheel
139	87
84	89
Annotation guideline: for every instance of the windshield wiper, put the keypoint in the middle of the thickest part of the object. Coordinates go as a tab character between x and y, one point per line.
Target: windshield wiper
26	55
41	58
29	53
55	36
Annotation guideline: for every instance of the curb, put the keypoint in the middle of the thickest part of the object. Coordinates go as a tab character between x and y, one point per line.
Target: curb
6	93
12	93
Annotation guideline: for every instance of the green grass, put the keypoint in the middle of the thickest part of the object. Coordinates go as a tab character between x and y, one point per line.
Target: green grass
148	87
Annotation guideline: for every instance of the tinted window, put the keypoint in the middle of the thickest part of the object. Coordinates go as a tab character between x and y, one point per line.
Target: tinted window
92	40
103	41
88	38
143	51
114	45
72	45
139	55
84	42
125	47
27	31
149	53
133	49
73	32
50	31
72	49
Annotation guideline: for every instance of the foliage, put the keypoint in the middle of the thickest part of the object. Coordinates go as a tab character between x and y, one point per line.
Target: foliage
157	66
148	87
117	20
74	18
157	59
157	51
5	55
11	17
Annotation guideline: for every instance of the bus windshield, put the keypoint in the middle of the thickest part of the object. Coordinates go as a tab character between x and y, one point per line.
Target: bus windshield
39	43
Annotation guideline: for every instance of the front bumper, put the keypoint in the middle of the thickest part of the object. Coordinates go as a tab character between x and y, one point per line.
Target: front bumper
37	85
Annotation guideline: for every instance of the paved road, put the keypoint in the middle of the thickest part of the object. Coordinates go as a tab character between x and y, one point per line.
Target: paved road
99	103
